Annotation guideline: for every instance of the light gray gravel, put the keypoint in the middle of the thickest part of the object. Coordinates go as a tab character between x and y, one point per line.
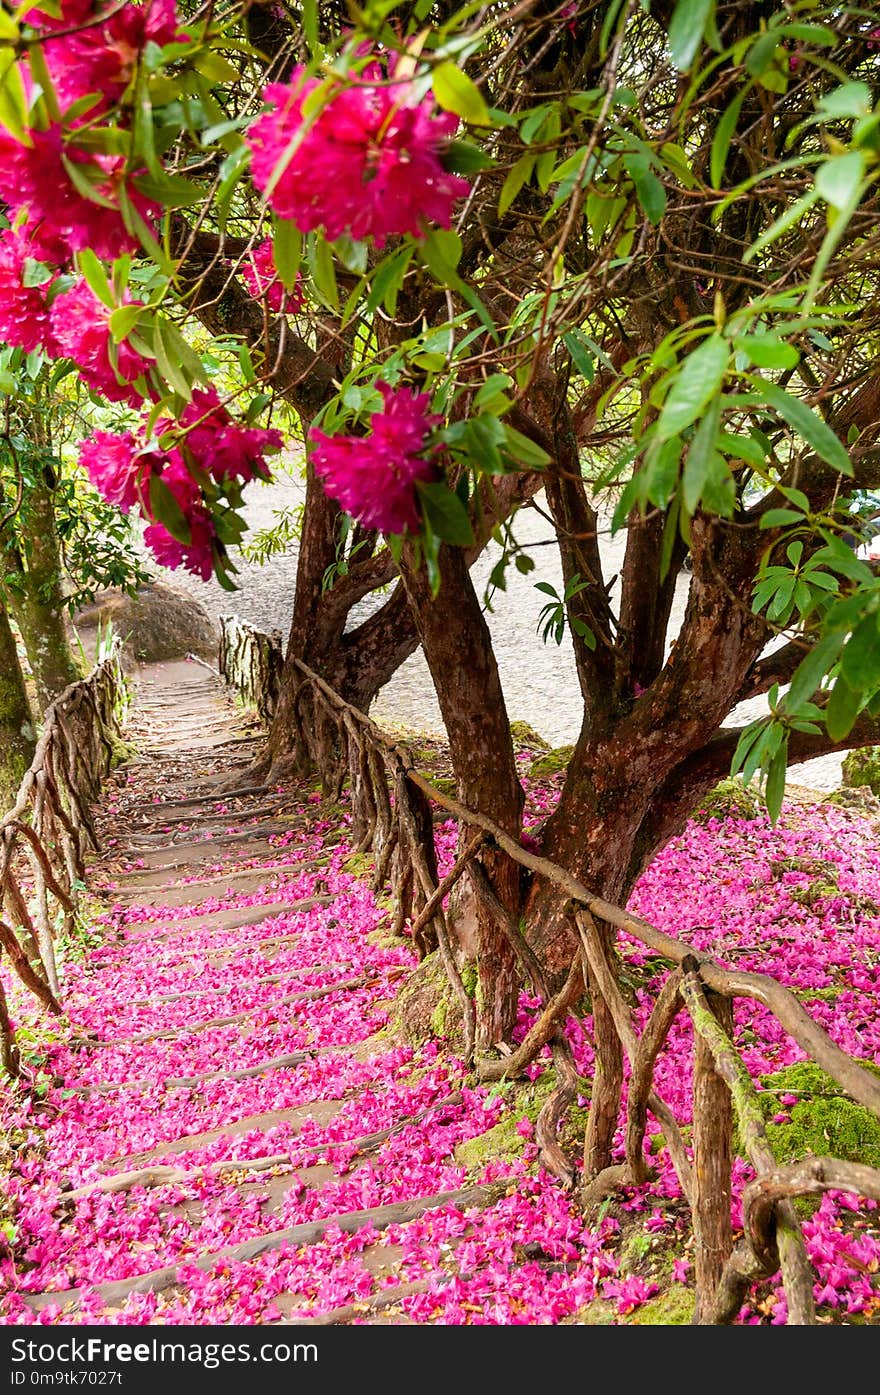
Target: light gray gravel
539	680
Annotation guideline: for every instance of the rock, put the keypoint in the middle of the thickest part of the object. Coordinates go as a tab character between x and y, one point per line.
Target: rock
861	769
859	798
729	799
551	763
525	738
155	625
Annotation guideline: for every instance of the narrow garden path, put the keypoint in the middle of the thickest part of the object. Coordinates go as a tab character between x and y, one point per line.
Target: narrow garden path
228	1136
228	1126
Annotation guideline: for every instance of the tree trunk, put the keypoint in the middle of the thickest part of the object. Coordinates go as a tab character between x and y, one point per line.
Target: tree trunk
35	597
458	649
17	735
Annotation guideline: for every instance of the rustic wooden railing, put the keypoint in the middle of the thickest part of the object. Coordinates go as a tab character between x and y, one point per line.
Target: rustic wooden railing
251	662
392	818
45	835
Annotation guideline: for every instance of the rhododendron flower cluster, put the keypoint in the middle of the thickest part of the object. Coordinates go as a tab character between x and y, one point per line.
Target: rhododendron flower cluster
211	442
24	311
34	180
373	477
368	164
258	272
81	330
99	57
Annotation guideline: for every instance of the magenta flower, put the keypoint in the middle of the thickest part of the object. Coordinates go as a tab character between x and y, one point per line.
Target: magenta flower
373	477
261	278
24	313
196	555
34	177
116	467
100	58
221	445
81	326
367	164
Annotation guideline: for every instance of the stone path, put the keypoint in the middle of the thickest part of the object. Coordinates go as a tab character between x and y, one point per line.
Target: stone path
229	1136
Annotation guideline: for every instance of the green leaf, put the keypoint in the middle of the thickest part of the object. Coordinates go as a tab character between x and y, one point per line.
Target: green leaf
456	92
170	190
774	790
843	707
851	100
441	252
445	513
387	279
167	511
518	175
722	138
649	190
762	52
13	97
662	465
809	425
177	362
778	518
463	157
287	248
123	321
686	28
812	669
860	661
838	180
324	272
580	355
526	452
699	378
767	350
95	276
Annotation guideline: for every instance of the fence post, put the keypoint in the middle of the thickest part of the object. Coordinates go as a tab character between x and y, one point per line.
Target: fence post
713	1136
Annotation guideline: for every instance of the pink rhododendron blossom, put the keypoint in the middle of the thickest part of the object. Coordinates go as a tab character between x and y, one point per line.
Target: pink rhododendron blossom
100	57
115	467
33	177
212	442
258	272
373	477
367	164
81	326
196	555
24	313
221	445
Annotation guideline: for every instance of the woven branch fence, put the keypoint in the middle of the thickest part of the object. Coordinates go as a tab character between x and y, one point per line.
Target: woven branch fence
46	834
251	662
392	812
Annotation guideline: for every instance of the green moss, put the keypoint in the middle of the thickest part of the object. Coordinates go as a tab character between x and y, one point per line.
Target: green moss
861	767
438	1018
442	784
359	865
673	1308
730	799
504	1140
814	892
122	751
818	995
599	1313
552	762
823	1122
470	979
525	738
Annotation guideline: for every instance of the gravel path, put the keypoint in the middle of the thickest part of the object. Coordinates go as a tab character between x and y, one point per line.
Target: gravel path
539	680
